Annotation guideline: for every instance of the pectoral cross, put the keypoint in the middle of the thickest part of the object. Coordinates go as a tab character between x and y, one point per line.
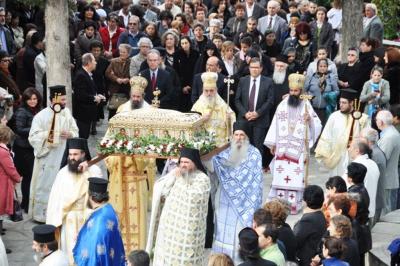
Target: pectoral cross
228	82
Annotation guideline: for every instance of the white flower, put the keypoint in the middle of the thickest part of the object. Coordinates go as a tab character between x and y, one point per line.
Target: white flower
104	141
152	147
109	144
129	146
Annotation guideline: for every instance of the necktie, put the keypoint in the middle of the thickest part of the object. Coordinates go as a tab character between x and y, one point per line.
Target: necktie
153	81
237	25
252	96
270	23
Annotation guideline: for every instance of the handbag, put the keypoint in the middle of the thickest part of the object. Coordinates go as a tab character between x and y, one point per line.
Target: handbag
116	100
17	214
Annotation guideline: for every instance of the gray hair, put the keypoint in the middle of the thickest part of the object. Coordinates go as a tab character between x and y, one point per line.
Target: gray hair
154	51
126	46
386	117
145	40
373	7
274	3
87	58
370	134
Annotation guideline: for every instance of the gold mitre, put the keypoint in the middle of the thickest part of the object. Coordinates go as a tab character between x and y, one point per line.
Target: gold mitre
209	79
296	81
138	84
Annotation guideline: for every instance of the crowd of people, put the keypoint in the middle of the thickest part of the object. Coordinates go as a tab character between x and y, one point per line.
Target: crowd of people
265	76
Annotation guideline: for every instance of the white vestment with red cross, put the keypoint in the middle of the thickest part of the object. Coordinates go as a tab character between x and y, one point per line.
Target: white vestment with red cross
287	134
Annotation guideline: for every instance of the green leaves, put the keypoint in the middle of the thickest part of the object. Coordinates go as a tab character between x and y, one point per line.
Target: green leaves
388	11
151	144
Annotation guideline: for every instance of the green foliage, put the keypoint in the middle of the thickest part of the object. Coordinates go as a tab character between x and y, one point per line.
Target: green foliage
389	11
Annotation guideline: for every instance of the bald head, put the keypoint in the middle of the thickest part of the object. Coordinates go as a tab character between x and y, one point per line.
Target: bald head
212	64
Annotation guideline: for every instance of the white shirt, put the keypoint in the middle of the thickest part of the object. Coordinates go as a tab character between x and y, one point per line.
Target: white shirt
258	79
229	66
125	17
370	181
367	21
155	72
249	10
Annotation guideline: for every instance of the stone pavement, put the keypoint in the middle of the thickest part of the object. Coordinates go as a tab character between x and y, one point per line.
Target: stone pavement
19	235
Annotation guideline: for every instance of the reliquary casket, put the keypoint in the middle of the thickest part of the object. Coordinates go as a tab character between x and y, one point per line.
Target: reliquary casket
157	122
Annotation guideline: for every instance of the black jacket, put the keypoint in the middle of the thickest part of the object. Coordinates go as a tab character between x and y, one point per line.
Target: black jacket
265	100
23	121
29	70
84	107
351	75
164	84
308	232
286	235
392	75
362	203
257	262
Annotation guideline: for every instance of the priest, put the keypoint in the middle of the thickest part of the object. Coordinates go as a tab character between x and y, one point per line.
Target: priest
341	128
132	180
67	202
99	241
50	130
294	130
136	101
237	176
180	234
45	246
217	114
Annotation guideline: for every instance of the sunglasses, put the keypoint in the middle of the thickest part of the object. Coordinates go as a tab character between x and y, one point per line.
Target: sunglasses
144	4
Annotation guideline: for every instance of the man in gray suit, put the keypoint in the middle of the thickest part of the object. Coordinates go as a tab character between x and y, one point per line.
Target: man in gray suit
254	100
390	145
273	21
149	15
373	26
370	136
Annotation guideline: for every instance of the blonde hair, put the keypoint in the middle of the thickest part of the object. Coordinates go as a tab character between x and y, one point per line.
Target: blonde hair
220	259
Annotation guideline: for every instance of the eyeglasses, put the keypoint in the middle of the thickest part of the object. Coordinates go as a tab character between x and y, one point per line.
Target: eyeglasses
351	55
144	4
132	23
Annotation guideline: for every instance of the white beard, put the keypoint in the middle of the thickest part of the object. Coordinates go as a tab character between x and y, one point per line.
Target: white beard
210	100
279	76
38	257
238	152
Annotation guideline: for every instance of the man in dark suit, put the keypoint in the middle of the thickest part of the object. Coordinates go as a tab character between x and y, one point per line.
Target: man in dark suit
6	40
253	9
254	100
85	97
158	79
212	65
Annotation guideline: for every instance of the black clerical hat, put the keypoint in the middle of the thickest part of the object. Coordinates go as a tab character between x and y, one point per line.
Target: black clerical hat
57	89
98	185
44	233
248	241
75	143
194	156
242	125
348	94
281	58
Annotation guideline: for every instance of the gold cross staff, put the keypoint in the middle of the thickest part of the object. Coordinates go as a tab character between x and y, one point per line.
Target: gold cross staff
306	98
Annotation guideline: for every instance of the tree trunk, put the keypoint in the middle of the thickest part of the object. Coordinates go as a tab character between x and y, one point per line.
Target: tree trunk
352	26
58	71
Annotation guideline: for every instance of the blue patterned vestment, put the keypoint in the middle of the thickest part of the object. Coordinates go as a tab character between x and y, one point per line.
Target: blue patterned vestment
99	241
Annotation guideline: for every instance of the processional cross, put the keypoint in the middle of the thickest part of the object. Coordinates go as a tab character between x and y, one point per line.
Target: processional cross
306	98
229	81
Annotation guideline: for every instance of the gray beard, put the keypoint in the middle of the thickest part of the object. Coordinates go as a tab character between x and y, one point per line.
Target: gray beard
238	153
279	77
